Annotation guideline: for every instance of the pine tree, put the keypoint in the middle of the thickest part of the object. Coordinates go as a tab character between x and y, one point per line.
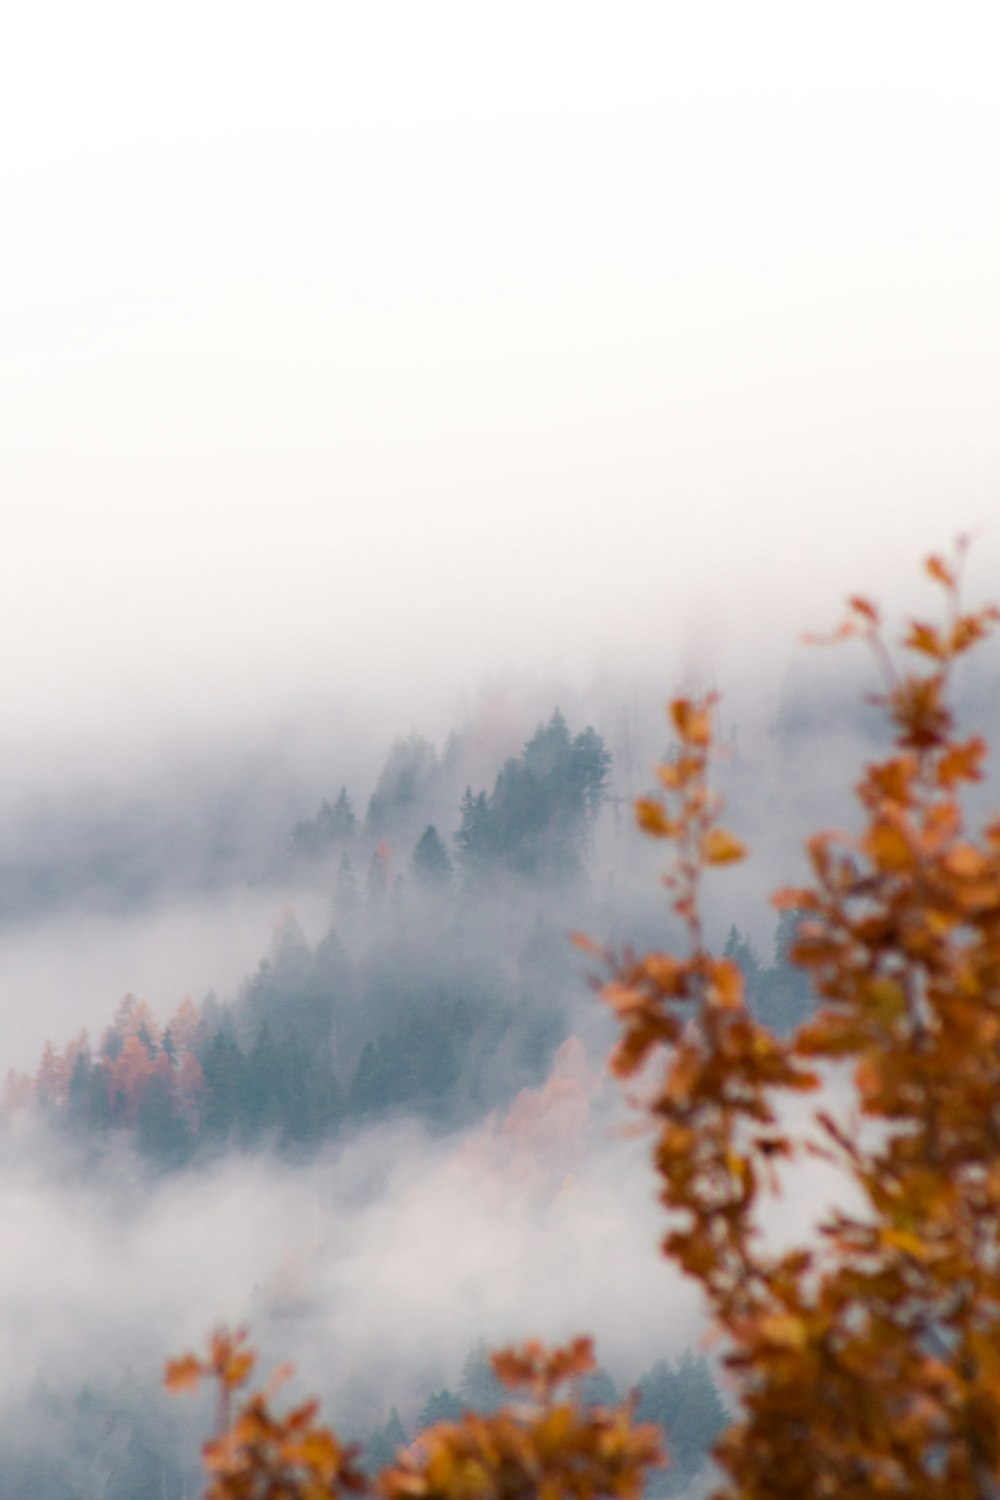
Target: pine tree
473	839
345	822
478	1386
441	1406
431	863
345	894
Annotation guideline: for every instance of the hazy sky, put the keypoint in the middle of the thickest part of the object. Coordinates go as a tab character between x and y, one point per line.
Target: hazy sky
396	343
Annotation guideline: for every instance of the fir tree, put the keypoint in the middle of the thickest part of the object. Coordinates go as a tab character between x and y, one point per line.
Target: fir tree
431	863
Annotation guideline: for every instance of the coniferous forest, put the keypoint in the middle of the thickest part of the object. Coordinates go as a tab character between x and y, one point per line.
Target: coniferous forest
437	994
442	992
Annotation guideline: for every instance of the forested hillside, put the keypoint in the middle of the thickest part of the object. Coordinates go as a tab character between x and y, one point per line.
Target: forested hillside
443	991
439	994
442	986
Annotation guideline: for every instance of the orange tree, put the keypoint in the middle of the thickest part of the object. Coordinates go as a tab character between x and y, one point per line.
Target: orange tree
866	1360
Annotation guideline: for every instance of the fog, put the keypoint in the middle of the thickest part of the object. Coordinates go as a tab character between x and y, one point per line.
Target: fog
376	1262
385	376
169	878
384	1261
372	352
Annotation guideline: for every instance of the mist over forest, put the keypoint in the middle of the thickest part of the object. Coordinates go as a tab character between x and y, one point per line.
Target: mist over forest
362	1105
398	405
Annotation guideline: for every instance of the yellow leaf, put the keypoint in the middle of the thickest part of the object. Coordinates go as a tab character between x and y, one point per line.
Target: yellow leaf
785	1330
907	1241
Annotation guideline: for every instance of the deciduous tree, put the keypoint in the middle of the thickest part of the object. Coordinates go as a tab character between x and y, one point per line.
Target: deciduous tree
867	1358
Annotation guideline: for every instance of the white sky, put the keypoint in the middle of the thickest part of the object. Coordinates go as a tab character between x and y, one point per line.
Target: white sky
403	342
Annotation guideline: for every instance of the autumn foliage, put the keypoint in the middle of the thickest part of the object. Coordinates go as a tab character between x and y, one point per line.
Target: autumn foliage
866	1359
136	1060
545	1444
257	1454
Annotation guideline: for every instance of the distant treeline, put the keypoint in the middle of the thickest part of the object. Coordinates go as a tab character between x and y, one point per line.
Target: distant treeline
445	995
432	1025
115	852
127	1440
443	1000
534	824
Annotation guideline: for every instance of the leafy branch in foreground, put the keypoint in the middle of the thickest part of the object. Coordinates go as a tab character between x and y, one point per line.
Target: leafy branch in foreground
542	1444
867	1359
258	1454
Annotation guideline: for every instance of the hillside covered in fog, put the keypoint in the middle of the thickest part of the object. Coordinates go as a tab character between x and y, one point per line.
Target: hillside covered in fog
436	1015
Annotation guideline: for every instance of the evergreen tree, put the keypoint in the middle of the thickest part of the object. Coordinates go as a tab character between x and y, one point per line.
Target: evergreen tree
331	828
542	806
441	1406
379	873
264	1086
699	1417
326	1105
478	1387
591	770
161	1133
407	779
345	892
82	1100
345	823
312	837
473	837
598	1389
660	1396
384	1443
227	1107
783	993
371	1090
431	863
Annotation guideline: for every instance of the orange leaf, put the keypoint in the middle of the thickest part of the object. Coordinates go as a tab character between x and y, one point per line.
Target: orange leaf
182	1374
692	721
586	945
936	567
652	819
888	847
784	1330
962	763
966	862
927	639
720	848
864	607
726	985
791	898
